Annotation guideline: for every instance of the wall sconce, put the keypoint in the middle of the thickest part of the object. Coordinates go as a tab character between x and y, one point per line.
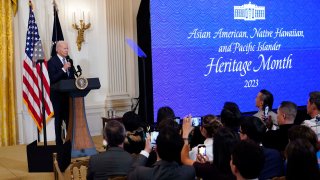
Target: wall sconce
81	27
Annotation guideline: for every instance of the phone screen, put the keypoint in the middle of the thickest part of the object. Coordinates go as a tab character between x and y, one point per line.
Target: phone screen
177	120
202	150
266	110
154	135
196	121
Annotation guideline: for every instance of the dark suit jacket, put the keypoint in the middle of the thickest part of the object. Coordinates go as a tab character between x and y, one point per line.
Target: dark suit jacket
115	161
277	139
55	70
161	170
59	100
273	164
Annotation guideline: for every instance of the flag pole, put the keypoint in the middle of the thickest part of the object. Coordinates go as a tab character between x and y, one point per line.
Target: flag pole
44	123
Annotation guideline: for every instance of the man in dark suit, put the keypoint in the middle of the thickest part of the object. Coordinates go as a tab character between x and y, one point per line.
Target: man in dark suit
168	147
278	139
115	161
59	68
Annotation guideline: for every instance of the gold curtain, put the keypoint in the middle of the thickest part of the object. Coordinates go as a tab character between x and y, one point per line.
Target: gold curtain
7	91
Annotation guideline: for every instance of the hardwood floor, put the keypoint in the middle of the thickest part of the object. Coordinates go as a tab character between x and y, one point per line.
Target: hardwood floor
14	165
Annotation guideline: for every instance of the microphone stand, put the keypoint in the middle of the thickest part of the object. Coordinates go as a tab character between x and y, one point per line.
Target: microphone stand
41	61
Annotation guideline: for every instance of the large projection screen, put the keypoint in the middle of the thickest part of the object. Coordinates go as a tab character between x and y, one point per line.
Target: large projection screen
205	53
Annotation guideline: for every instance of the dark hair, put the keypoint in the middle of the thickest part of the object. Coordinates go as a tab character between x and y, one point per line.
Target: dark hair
230	115
248	157
114	133
267	98
169	144
254	128
301	161
211	124
289	109
224	142
196	137
134	141
170	123
165	113
132	121
303	132
314	98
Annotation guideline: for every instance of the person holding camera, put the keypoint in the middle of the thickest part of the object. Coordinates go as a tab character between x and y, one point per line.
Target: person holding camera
264	102
224	142
168	147
208	128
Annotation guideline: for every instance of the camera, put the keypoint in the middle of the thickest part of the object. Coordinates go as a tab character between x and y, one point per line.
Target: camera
202	149
196	121
154	135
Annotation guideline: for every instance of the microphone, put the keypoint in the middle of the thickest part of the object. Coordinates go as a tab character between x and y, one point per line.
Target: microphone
68	59
79	70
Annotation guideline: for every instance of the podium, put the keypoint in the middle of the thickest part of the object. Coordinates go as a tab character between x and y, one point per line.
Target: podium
78	131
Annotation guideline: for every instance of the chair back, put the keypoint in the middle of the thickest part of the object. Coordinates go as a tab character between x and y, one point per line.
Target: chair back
77	170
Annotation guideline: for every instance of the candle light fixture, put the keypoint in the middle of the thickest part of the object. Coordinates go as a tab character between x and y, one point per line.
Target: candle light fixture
81	27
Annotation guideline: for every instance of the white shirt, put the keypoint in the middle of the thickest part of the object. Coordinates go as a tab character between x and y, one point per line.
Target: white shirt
63	60
209	153
313	124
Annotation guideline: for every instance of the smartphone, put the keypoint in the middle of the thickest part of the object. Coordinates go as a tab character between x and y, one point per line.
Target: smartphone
177	120
266	111
154	136
202	149
196	121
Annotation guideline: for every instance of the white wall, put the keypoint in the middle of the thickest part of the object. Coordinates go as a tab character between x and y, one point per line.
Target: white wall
104	55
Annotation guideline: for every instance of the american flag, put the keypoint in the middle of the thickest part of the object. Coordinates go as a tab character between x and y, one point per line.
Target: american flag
32	93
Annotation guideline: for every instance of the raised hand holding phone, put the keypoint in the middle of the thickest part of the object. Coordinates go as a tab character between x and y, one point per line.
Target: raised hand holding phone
202	149
265	113
201	156
148	146
186	126
267	118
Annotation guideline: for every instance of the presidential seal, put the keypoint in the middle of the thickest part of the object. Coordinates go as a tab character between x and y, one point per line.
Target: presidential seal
81	83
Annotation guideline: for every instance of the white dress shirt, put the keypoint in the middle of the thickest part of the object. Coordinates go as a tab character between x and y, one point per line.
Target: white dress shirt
209	153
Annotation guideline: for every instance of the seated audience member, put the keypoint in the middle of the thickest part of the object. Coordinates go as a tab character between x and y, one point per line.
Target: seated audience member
135	135
164	123
247	160
168	147
305	132
301	161
264	99
115	161
313	110
168	122
278	139
224	141
209	128
230	116
165	113
253	129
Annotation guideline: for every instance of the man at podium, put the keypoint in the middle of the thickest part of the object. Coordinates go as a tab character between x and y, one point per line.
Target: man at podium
60	68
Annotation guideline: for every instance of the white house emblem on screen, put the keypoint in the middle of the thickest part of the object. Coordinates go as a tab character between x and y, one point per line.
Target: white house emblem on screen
249	12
